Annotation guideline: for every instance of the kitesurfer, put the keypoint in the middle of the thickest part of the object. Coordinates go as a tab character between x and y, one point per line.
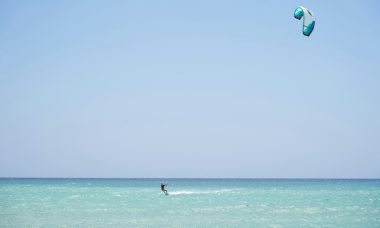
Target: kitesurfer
163	188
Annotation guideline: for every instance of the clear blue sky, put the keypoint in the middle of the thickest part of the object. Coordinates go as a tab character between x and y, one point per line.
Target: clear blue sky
189	89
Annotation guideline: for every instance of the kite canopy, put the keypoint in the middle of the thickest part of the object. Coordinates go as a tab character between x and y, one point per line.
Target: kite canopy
308	19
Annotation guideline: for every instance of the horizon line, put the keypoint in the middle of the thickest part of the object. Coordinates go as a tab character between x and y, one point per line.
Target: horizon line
197	178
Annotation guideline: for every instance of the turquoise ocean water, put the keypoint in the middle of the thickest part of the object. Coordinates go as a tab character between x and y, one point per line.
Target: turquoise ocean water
190	203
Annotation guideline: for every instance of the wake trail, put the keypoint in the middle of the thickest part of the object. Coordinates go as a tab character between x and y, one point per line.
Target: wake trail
175	193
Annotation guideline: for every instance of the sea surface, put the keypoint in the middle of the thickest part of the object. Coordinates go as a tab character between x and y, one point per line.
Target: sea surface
190	203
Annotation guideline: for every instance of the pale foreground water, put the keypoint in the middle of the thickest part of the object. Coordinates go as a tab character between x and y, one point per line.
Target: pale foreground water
191	203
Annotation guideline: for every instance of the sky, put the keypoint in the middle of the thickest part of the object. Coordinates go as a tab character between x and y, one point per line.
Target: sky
202	89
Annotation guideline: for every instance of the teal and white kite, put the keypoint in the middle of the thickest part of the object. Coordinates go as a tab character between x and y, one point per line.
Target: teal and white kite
308	19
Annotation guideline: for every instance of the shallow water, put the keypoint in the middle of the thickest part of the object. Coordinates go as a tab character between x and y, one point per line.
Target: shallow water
190	203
